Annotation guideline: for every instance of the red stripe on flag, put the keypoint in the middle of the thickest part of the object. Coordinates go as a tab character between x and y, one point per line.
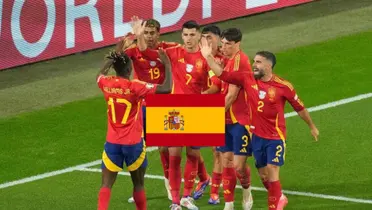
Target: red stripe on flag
185	100
197	140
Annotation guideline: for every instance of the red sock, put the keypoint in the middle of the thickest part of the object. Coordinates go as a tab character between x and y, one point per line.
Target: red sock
140	199
104	198
175	178
275	192
202	172
189	175
229	184
164	157
216	182
266	184
244	177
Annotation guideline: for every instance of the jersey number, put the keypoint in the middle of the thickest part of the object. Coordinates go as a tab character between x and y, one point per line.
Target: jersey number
189	77
126	112
279	149
260	105
209	82
245	139
154	73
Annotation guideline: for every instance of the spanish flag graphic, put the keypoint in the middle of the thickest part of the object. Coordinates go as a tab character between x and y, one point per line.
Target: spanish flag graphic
185	120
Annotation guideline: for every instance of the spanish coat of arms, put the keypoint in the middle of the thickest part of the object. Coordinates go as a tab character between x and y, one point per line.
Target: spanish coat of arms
174	121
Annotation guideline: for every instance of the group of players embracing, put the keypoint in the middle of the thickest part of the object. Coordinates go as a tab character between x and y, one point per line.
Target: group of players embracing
208	62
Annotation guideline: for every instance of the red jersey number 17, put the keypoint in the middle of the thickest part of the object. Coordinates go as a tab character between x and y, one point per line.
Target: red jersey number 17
116	108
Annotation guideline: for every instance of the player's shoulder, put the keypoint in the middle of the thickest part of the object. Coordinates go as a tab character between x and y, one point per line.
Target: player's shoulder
282	82
166	45
138	83
171	47
241	61
131	48
102	78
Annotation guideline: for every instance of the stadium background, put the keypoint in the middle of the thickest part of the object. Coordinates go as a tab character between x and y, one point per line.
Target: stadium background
50	119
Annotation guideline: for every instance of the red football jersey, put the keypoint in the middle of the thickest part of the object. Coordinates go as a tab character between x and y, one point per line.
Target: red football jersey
213	79
266	101
238	111
189	70
124	99
148	68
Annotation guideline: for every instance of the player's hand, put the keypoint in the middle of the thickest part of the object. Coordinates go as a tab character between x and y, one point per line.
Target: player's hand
314	132
205	48
163	57
125	42
138	26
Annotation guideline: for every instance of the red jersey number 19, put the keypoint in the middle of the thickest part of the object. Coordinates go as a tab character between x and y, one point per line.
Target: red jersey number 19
154	73
128	107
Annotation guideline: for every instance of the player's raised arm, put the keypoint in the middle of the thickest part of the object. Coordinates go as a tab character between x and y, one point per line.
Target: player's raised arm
166	87
138	27
299	107
231	96
206	50
236	77
125	42
105	69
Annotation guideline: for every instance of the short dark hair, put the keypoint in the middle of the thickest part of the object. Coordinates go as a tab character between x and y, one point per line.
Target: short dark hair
191	24
212	29
121	63
268	55
153	23
232	34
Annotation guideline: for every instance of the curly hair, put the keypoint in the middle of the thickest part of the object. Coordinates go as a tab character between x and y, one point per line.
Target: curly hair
121	62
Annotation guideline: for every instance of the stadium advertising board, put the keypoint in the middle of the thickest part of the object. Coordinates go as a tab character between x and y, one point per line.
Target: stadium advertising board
35	30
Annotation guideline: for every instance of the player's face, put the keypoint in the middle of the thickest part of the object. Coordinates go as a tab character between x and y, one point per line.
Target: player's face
190	37
212	39
151	36
228	48
261	66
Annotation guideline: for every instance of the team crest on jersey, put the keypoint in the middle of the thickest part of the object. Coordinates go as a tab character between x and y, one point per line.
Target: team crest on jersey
261	94
149	85
271	92
189	68
174	121
152	63
199	64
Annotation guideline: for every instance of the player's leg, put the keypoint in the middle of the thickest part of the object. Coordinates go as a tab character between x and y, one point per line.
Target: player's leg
242	150
216	177
228	171
175	175
164	157
144	121
112	161
204	179
136	161
264	176
275	150
190	173
131	199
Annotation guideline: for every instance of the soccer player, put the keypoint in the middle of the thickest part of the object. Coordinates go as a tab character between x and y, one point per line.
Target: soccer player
237	139
190	76
267	95
123	141
148	69
212	34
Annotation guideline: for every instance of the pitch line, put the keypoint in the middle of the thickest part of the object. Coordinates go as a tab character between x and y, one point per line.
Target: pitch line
288	192
96	162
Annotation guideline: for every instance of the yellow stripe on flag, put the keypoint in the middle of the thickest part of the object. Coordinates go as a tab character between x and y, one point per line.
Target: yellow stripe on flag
196	119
